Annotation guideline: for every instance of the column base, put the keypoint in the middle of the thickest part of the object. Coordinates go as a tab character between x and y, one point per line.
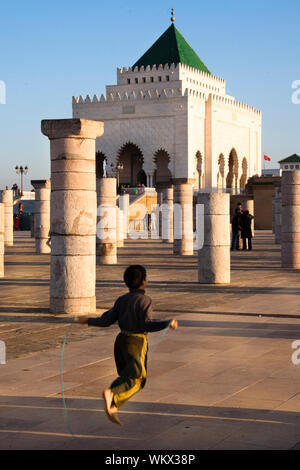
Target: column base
183	249
106	253
74	306
214	265
290	254
41	246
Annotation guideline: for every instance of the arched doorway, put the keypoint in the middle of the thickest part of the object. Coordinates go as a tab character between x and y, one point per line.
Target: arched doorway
141	178
244	176
233	170
132	158
162	174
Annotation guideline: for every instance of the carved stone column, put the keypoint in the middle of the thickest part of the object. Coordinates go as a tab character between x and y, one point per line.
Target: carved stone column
290	228
73	214
1	239
183	219
106	221
42	215
8	201
214	257
167	216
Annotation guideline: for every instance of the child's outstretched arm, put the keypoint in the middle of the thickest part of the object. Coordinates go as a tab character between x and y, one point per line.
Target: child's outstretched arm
106	319
151	325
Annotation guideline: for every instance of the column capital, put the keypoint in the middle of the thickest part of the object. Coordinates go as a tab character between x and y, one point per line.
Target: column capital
72	128
6	196
41	184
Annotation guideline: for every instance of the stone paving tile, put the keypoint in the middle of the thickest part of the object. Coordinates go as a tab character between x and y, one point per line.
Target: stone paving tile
291	372
270	436
240	376
220	381
84	374
253	404
91	389
270	389
189	435
203	394
234	444
291	404
157	367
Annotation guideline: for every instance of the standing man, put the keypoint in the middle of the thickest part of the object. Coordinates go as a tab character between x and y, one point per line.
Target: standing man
246	223
236	228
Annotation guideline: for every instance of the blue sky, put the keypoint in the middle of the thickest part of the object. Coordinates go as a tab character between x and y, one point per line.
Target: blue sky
50	51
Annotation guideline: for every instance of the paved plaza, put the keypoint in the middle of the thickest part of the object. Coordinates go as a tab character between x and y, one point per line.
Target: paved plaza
223	380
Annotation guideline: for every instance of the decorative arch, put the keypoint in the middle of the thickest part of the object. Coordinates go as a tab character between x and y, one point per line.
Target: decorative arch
244	177
100	159
132	158
233	170
162	174
221	172
199	170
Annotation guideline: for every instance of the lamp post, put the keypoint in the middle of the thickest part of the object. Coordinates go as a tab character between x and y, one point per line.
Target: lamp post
22	171
116	169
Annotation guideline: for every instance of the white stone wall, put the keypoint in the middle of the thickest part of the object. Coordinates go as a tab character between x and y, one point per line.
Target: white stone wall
151	124
180	110
196	133
235	127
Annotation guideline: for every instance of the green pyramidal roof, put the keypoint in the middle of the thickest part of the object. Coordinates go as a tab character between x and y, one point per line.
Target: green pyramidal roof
171	48
293	158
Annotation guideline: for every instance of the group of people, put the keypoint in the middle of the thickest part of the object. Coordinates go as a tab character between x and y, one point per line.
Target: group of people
16	190
128	189
18	218
241	226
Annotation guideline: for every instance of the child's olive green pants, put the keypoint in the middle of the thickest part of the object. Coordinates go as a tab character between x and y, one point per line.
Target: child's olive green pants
130	352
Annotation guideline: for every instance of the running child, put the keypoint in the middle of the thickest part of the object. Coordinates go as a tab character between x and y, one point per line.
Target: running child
133	312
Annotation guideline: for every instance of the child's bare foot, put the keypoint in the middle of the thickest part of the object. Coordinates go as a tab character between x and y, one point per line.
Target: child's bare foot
111	411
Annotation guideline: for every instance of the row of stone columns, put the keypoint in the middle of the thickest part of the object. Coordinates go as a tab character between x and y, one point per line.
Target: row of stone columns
74	219
176	226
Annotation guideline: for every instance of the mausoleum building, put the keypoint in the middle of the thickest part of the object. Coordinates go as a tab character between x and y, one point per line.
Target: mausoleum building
169	120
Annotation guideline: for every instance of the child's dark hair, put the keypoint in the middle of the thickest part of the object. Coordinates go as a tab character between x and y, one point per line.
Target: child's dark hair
134	276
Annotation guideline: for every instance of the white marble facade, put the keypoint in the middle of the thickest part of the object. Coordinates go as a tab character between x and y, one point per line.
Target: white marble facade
171	124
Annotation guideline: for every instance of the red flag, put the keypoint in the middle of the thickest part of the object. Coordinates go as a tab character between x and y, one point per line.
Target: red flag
268	159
